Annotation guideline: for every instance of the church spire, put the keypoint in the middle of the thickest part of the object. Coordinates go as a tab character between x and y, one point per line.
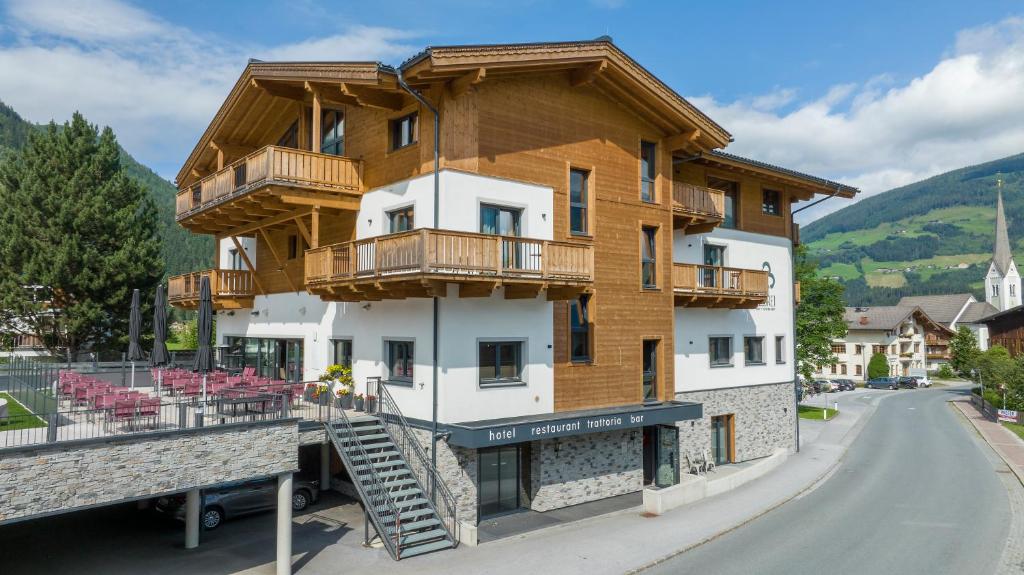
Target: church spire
1001	255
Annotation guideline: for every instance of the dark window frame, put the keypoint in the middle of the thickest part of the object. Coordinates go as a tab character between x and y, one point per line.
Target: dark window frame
780	348
649	242
408	212
580	205
746	354
513	346
648	172
713	351
333	145
731	190
579	329
403	131
408	358
334	351
771	202
649	369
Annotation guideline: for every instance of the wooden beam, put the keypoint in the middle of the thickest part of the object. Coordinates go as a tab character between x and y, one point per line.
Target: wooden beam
246	230
277	258
317	200
371	97
248	264
460	85
317	116
315	227
587	74
304	230
280	90
684	141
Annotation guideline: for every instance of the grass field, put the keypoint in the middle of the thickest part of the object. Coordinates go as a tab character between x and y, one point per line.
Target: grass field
177	346
878	279
18	416
971	219
1016	428
844	271
808	412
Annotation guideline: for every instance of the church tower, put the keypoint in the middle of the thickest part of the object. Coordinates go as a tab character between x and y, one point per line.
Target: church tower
1002	284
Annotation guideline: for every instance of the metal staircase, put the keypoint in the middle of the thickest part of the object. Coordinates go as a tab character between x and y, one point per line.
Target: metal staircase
403	515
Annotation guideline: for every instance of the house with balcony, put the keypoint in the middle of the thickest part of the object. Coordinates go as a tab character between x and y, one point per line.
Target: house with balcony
904	334
538	250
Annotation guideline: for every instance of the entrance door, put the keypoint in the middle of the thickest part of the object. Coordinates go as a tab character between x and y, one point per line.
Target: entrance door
661	455
499	480
713	256
503	221
721	438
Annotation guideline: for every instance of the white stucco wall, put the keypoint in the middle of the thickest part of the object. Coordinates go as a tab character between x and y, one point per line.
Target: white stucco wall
693	326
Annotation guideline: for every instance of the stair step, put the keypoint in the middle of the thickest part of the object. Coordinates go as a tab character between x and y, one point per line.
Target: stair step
404	515
375	455
394	473
422	537
374	437
406	492
398	483
409	503
425	548
421	524
380	465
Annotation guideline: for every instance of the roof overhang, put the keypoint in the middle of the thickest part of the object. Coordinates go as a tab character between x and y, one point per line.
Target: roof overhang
799	181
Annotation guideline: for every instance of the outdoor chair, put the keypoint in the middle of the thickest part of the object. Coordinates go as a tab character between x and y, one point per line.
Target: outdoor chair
709	464
692	465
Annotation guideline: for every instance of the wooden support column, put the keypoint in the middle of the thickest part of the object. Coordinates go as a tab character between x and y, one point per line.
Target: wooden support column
315	228
216	251
277	258
248	264
317	116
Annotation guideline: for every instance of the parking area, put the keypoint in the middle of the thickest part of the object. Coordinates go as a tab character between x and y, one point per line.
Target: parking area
123	539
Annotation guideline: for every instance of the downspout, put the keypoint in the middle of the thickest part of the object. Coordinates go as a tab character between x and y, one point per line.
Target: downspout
437	302
792	267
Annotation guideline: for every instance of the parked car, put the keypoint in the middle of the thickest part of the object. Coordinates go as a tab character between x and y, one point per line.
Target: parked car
882	383
908	382
845	384
240	498
823	386
924	382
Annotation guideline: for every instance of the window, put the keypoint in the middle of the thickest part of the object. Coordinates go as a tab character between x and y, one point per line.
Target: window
648	257
579	326
500	362
343	352
753	350
400	360
293	247
833	369
917	347
500	220
650	375
401	220
1013	290
838	348
720	351
842	369
332	133
860	349
995	289
877	349
731	191
770	203
857	370
290	138
403	131
780	349
648	170
578	198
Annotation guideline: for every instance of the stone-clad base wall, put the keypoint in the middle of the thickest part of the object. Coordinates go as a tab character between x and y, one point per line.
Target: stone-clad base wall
59	477
764	420
572	470
457	467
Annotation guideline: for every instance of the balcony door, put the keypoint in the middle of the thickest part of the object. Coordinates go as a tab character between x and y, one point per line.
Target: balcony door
713	256
504	221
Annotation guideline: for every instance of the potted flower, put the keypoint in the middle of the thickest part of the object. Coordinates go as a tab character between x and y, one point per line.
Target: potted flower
359	401
344	399
371	403
309	392
323	394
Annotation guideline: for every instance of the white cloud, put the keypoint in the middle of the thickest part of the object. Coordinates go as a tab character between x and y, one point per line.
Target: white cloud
157	84
969	108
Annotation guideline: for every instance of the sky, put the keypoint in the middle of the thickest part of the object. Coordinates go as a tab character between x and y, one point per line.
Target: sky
873	94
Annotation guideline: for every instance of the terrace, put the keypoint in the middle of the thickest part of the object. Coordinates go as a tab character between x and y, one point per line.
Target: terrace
718	287
696	208
230	289
420	263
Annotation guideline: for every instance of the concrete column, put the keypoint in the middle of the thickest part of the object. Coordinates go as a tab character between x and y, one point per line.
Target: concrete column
284	524
192	519
325	467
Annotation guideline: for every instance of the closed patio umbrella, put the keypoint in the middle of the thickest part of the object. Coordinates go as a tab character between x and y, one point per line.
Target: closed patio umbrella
204	355
159	357
134	327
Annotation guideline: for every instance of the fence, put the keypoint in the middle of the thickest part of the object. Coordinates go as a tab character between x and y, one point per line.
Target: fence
32	383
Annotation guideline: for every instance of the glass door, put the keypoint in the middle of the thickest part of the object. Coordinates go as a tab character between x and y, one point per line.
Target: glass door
499	480
667	456
504	221
714	256
721	439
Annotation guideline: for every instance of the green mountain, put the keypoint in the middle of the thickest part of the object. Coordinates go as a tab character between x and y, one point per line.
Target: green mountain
182	251
930	237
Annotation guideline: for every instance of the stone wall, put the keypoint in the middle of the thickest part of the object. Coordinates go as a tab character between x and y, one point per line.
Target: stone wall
56	477
457	467
571	470
764	419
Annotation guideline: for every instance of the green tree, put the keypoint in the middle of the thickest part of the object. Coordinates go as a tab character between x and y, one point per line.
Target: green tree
76	236
996	367
964	351
819	317
878	366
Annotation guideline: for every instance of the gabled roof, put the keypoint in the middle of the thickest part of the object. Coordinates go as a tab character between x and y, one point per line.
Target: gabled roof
1002	315
1001	255
977	311
941	308
813	183
886	318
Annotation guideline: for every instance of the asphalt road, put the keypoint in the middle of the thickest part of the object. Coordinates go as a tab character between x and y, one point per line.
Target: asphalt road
914	494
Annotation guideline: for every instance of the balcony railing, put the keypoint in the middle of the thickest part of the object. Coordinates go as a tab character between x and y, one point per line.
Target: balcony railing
452	257
228	288
272	165
717	286
697	206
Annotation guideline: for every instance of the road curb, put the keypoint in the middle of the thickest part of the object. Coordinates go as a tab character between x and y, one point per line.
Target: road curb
1018	473
844	444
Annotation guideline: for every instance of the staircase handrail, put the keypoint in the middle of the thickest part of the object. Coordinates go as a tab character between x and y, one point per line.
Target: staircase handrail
377	495
391	416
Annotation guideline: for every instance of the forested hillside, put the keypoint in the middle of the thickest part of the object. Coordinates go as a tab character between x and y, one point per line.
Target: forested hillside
931	237
182	251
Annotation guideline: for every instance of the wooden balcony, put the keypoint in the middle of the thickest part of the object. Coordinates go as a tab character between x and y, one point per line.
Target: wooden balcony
696	208
718	287
230	289
421	263
271	181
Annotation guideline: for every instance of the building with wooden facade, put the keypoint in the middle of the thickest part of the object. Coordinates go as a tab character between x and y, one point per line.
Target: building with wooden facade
589	287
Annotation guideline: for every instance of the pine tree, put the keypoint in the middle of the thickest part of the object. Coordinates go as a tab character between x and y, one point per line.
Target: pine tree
878	366
76	236
819	317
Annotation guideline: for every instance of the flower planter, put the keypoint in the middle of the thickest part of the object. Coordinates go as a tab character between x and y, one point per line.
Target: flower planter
344	401
307	393
324	398
359	404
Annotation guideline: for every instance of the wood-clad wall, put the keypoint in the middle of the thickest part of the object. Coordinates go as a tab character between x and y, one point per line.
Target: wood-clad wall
534	128
751	218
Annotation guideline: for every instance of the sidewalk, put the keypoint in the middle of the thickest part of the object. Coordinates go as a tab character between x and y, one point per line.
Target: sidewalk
625	541
1003	441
